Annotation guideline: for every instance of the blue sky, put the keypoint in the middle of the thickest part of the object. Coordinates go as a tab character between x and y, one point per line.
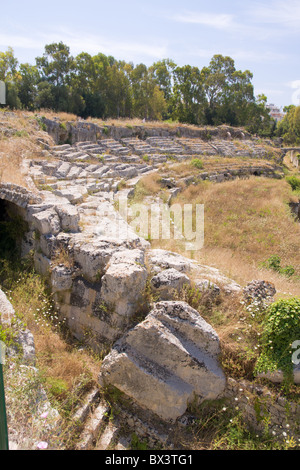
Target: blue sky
261	36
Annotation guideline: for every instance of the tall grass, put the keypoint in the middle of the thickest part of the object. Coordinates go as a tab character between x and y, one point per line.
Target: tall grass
246	222
19	135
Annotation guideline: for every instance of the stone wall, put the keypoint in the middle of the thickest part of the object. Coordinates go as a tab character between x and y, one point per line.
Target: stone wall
82	131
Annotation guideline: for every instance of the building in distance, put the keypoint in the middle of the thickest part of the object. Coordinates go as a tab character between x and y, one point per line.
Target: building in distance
275	112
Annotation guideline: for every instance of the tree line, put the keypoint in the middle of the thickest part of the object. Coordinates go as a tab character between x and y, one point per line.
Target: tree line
289	127
103	87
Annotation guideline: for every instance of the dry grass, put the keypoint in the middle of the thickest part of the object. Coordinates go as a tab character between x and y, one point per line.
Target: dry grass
62	116
246	221
18	141
133	122
210	163
147	186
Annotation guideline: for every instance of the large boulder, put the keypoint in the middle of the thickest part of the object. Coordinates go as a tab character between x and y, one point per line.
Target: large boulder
166	361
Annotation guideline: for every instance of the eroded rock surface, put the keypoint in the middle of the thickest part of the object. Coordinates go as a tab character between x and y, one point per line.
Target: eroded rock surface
167	360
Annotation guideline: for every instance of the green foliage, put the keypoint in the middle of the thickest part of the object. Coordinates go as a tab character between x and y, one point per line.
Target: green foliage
281	327
294	182
289	127
57	387
63	126
197	163
274	262
101	86
136	444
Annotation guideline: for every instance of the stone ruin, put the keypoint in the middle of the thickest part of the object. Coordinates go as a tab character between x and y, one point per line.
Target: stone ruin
99	276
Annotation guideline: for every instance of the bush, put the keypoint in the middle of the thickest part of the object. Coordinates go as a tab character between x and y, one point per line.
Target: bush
197	163
281	327
294	182
287	271
274	263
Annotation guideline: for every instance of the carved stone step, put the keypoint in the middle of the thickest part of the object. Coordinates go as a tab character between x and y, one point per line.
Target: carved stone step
93	426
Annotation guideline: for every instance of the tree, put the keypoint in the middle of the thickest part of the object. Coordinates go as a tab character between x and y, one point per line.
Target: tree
55	66
56	63
45	97
28	85
118	90
162	73
289	127
259	120
9	74
217	79
188	95
148	99
8	65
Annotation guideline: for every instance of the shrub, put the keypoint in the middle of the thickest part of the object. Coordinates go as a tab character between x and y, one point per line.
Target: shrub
272	263
294	182
63	126
197	163
287	271
281	327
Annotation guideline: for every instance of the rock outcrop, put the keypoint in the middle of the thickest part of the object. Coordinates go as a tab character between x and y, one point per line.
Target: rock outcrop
166	361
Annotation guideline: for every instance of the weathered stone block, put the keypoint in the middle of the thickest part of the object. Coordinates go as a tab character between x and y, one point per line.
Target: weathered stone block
167	360
167	282
124	281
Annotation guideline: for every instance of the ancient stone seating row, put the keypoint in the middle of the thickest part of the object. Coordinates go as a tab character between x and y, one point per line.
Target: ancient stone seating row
74	181
113	146
129	149
197	146
165	145
138	146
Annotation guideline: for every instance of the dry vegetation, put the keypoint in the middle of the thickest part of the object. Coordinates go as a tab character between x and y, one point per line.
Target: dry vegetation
246	222
19	135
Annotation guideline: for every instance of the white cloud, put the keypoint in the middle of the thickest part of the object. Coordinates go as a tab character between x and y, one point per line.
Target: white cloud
284	13
87	43
219	21
242	55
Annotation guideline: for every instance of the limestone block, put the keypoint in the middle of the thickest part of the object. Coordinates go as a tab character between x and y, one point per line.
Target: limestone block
167	360
164	259
26	342
72	193
277	376
61	278
93	258
124	281
42	264
166	282
69	217
46	221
